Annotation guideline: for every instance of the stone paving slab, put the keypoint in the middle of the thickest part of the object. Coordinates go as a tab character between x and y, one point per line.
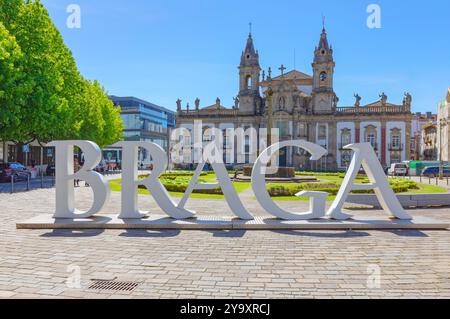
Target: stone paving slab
160	222
218	263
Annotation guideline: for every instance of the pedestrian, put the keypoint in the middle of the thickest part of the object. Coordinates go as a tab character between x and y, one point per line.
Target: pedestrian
76	168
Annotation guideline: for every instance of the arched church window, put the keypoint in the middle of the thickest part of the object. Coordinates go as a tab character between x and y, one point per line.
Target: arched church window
323	76
249	82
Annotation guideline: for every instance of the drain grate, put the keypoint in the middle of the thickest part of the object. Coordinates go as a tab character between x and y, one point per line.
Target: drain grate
113	285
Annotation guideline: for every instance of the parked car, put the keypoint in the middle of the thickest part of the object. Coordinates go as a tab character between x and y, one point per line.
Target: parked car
433	171
398	169
8	170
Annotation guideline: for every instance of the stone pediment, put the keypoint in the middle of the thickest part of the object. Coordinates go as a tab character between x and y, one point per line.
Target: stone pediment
379	104
213	108
293	75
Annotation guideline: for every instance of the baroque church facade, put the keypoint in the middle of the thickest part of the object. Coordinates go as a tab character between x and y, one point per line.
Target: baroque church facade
306	107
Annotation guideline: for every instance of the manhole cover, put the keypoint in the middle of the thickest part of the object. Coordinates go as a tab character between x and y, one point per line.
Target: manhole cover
113	285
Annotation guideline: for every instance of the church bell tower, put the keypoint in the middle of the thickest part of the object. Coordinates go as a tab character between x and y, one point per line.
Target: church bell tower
324	98
249	71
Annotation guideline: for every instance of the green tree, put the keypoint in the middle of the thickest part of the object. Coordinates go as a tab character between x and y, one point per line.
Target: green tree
100	120
51	67
60	103
13	86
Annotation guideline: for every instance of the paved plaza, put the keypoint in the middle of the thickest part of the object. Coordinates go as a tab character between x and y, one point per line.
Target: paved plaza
217	264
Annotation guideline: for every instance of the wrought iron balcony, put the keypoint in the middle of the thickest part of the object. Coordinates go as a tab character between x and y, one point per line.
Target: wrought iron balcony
396	147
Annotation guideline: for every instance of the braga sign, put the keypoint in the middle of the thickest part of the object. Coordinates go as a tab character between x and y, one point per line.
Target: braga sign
364	156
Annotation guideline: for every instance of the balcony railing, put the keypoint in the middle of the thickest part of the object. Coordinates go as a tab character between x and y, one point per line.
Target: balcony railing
396	147
372	109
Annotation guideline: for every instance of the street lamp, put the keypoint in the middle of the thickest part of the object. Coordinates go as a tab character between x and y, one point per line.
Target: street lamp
442	123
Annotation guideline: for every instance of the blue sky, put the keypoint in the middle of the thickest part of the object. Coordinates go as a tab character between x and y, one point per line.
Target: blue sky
162	50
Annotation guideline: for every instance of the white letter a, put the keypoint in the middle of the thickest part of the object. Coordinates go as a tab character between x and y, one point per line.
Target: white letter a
365	156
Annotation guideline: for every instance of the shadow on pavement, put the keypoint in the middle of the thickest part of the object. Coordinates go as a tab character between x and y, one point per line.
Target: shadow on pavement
406	233
228	233
150	233
328	234
74	233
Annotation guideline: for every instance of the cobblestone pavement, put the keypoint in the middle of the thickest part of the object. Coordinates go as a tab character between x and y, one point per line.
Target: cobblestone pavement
217	264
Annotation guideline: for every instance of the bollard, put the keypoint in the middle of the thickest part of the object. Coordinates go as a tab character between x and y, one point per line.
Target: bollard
437	181
28	181
12	184
42	179
429	180
420	176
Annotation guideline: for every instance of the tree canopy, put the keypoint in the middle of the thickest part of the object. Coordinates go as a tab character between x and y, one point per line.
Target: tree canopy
43	96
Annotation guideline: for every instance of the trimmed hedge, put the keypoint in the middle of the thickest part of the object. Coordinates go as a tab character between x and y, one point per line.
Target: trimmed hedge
179	183
286	190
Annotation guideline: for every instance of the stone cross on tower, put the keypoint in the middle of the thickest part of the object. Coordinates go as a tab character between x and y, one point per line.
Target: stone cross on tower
282	69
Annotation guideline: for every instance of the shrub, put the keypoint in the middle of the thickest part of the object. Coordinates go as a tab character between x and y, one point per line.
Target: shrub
285	190
179	183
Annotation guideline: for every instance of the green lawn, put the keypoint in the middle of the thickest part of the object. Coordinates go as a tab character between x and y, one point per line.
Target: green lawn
240	187
116	186
422	188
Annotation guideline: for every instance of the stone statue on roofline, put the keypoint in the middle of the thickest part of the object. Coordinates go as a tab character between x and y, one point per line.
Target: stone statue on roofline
236	102
197	104
218	103
407	100
179	105
357	100
383	98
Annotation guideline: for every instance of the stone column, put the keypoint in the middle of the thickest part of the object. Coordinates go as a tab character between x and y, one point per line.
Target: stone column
383	143
332	145
357	131
408	138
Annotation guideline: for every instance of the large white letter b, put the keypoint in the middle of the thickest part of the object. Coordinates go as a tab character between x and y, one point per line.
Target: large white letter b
65	207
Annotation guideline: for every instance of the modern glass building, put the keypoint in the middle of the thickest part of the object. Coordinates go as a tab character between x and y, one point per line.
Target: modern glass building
143	121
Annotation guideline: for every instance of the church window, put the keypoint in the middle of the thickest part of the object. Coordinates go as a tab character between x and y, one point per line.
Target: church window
371	136
249	82
322	132
323	76
395	139
346	137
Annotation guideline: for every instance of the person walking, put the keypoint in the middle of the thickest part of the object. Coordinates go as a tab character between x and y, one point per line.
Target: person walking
76	168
